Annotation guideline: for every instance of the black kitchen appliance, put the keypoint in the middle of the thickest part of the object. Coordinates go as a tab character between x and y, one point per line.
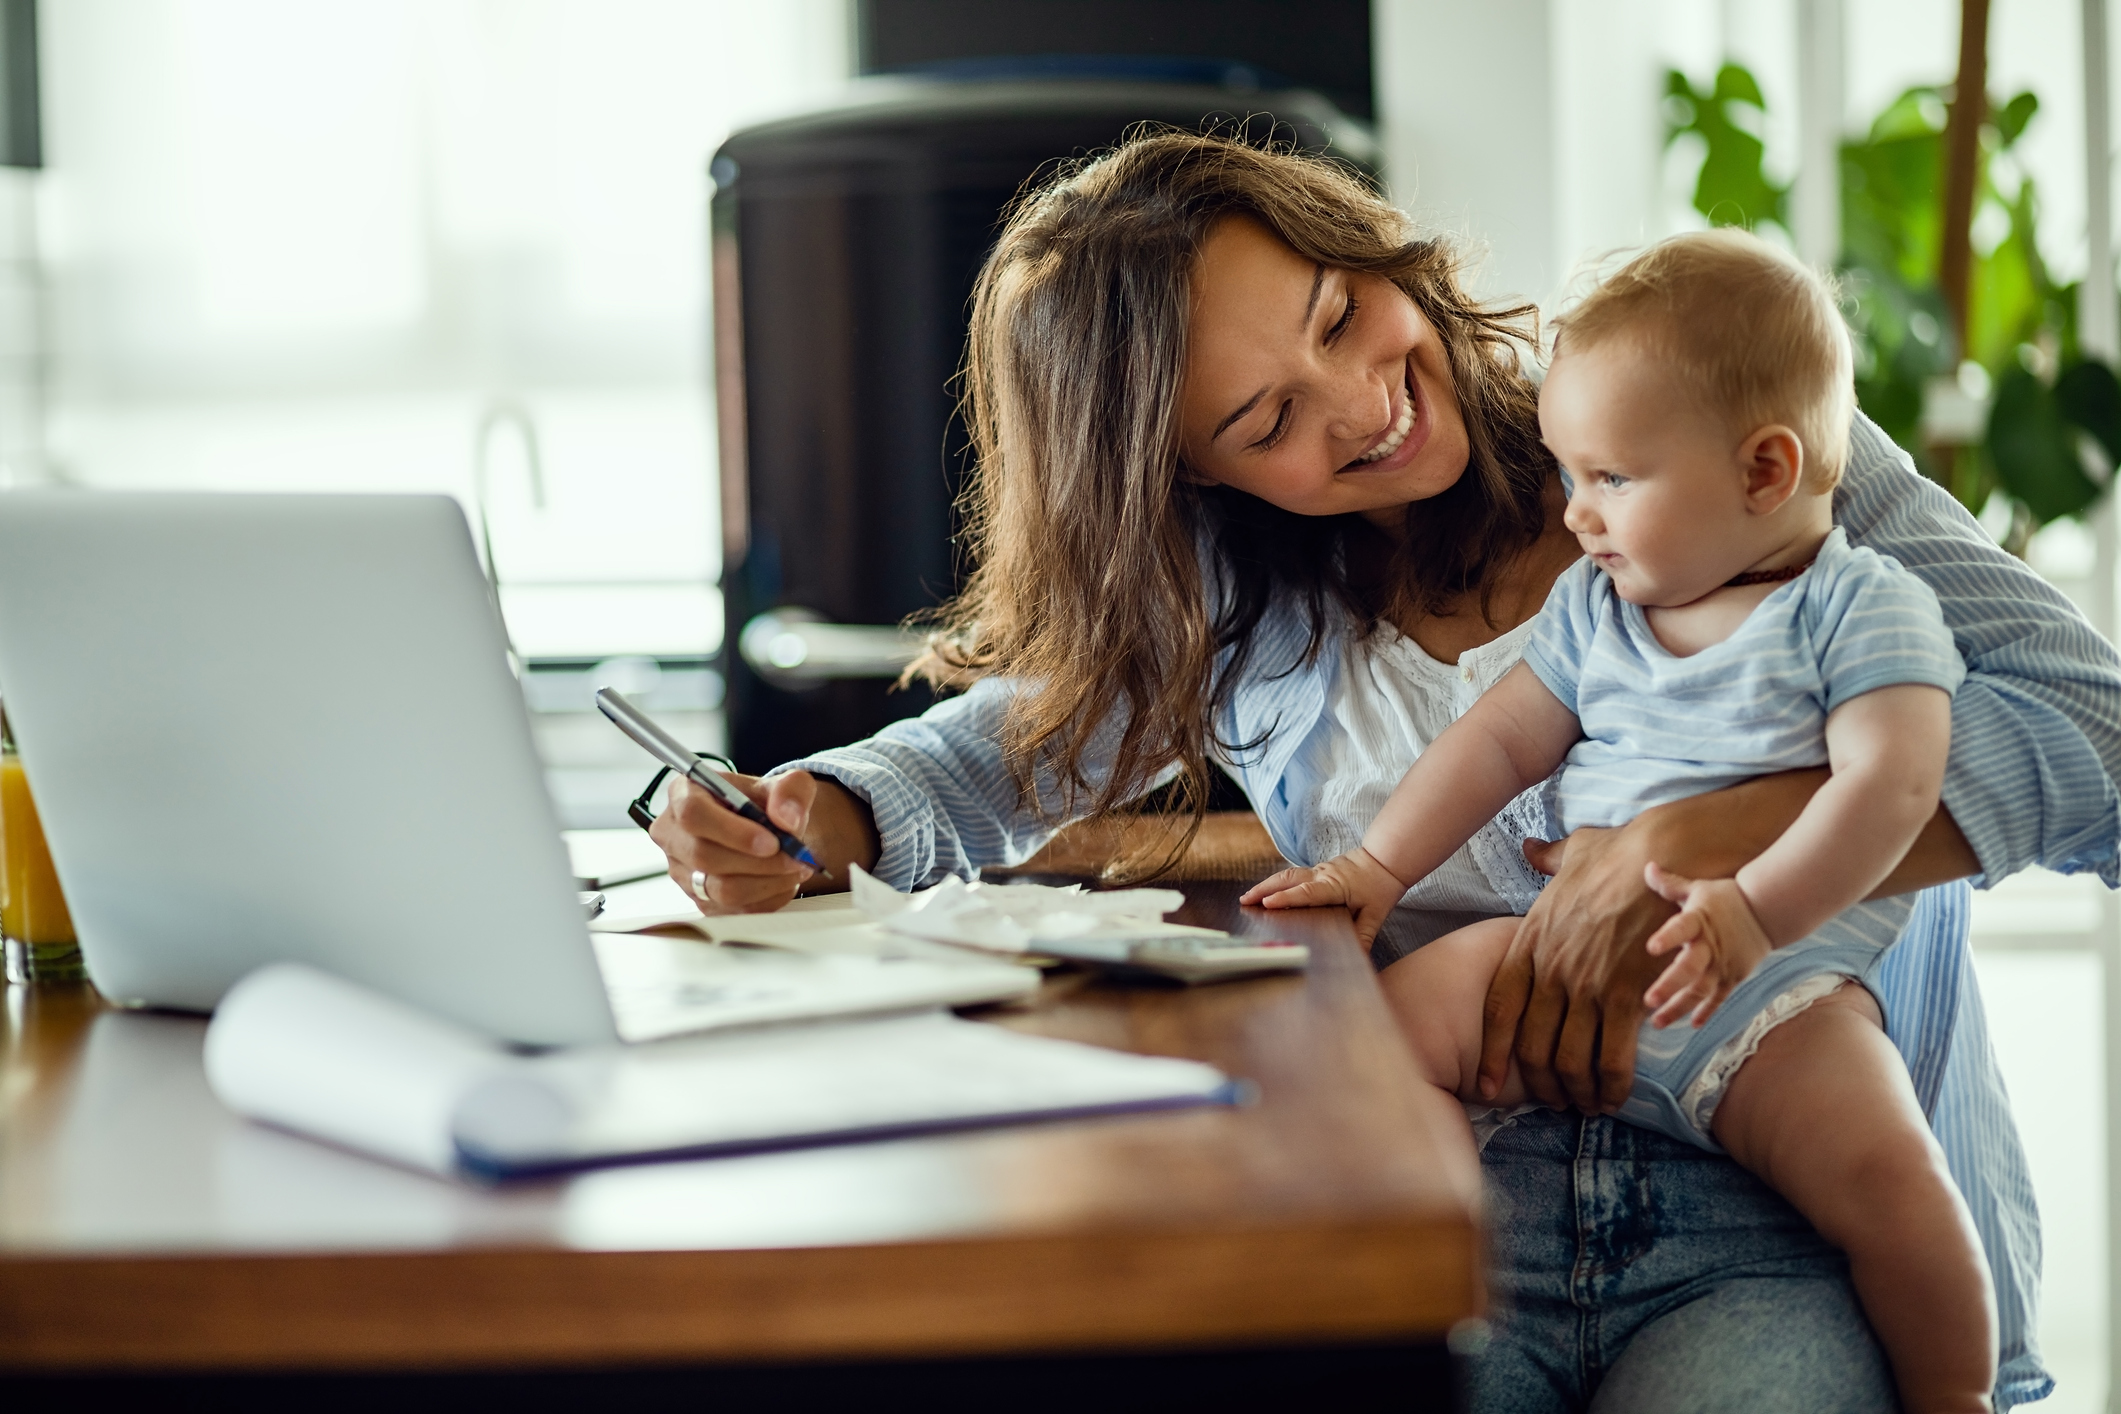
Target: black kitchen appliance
845	244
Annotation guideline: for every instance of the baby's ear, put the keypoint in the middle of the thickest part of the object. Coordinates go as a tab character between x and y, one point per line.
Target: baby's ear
1772	461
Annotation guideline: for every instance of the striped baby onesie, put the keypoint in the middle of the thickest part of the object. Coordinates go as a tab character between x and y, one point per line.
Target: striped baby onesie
1658	728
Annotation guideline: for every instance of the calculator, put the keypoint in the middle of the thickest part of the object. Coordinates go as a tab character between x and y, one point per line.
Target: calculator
1187	959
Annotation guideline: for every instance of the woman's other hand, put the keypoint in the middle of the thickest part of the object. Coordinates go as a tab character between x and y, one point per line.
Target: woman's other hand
1569	994
1354	879
741	865
1719	941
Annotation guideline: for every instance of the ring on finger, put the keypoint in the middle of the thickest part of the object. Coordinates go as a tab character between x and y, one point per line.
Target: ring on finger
699	886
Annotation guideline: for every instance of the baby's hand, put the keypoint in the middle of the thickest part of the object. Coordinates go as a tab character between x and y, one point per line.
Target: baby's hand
1718	940
1355	879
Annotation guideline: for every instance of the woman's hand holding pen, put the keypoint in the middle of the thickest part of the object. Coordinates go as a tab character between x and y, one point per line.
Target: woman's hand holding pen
742	867
745	870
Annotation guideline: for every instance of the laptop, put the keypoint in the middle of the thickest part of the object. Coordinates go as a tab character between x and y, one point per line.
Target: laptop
267	728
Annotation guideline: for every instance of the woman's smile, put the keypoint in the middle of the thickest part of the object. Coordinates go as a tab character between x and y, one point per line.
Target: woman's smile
1401	442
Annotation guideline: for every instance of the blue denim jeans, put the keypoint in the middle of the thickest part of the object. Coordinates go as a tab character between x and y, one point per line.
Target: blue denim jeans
1635	1274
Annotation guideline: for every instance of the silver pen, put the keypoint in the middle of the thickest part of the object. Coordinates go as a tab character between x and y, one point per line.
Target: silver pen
667	749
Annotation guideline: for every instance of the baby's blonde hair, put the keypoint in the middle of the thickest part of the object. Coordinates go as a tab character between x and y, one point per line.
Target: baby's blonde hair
1752	334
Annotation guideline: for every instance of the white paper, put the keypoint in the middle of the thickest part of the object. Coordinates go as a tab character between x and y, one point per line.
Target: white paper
305	1050
660	903
1015	918
792	1083
311	1052
662	986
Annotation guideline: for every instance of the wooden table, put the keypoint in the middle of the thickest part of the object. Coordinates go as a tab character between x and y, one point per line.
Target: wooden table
144	1228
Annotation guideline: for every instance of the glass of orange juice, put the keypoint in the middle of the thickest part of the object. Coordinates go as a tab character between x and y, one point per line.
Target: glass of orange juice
33	917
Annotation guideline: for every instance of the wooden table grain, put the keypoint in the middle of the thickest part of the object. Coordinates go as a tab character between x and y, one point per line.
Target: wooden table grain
143	1227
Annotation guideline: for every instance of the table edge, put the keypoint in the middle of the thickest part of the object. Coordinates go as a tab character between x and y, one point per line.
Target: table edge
1289	1284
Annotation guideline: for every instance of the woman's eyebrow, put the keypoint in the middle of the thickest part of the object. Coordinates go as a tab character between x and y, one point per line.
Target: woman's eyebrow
1224	425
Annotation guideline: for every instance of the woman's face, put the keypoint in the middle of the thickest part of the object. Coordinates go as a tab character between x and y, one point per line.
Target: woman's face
1321	391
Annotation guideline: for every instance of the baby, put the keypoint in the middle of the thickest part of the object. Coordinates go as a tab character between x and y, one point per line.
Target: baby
1719	628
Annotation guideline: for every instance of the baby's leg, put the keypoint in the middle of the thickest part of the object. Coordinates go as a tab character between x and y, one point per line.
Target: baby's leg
1825	1114
1437	994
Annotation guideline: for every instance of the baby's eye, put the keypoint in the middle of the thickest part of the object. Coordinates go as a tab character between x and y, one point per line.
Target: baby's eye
1613	483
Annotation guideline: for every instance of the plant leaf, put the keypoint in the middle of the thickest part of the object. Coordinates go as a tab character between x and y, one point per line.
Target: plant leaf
1732	188
2089	395
1735	81
1908	115
2034	447
2011	119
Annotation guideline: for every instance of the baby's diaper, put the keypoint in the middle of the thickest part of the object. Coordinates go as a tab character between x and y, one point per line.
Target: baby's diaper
1681	1073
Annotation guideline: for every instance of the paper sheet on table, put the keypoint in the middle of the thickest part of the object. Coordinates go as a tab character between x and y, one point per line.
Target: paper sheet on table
662	986
313	1053
660	903
823	925
933	924
1016	918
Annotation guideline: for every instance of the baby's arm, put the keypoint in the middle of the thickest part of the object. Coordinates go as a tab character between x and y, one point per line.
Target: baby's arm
1512	738
1887	749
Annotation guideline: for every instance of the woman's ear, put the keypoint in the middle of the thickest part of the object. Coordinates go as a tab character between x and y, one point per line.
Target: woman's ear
1772	460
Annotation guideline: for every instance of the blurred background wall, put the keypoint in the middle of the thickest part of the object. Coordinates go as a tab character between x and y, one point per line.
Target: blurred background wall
339	244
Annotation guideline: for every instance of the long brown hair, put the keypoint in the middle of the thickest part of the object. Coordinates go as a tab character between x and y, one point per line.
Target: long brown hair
1093	555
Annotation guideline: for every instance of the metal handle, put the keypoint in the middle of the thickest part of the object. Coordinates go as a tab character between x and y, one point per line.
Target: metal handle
793	647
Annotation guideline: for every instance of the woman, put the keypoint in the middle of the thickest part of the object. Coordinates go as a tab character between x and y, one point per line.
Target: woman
1259	485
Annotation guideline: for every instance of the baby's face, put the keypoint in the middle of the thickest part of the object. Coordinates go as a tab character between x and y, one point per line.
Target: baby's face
1658	496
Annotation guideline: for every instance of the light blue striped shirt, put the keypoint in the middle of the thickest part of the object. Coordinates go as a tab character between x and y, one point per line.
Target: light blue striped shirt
2036	751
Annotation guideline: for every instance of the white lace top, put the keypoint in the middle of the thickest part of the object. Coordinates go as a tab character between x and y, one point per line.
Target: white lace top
1388	700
